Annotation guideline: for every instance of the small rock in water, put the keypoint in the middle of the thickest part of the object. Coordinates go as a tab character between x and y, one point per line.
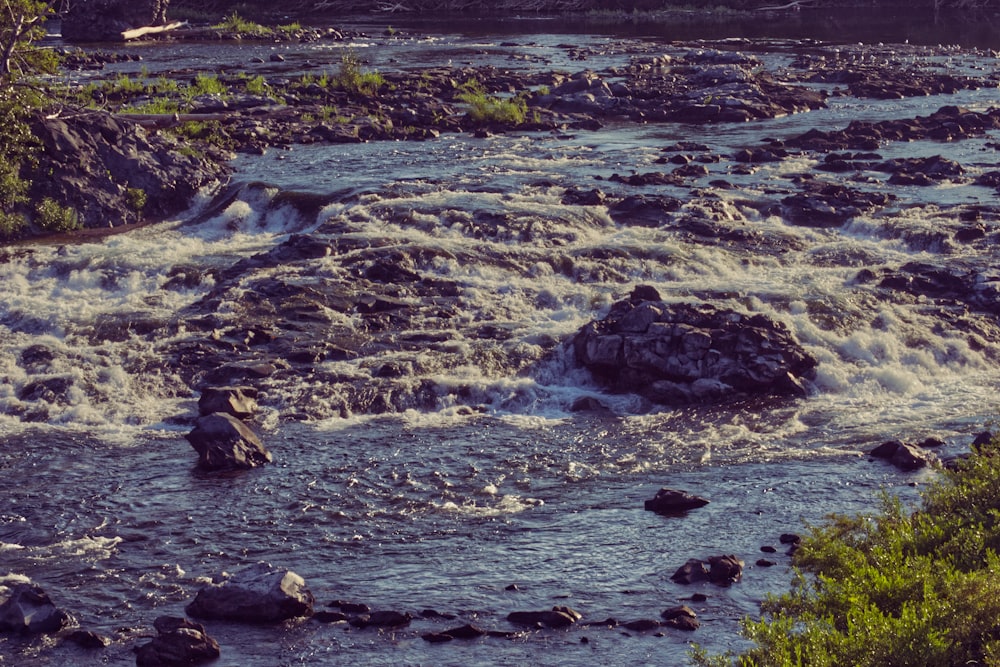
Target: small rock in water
180	642
670	501
29	610
223	442
259	593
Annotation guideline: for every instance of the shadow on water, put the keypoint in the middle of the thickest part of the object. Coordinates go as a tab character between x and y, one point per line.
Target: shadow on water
894	25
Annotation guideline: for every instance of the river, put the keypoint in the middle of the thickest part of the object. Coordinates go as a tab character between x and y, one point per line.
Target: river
497	497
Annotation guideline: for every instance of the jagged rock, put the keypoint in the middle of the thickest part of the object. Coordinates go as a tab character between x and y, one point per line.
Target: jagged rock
902	455
239	402
180	643
692	571
259	593
670	501
224	442
688	353
680	617
112	172
28	609
557	617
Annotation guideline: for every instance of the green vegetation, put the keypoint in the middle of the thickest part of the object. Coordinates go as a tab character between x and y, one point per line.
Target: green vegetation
208	84
52	216
919	589
236	23
136	199
485	108
351	78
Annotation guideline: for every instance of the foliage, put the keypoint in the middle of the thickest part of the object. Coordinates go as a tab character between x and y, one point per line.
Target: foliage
136	199
351	78
236	23
207	84
485	108
22	24
17	147
920	589
52	216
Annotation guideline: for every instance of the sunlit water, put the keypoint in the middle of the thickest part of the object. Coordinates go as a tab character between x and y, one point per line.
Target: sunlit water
500	483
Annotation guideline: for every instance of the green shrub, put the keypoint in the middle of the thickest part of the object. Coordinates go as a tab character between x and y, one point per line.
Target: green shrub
136	199
351	78
919	589
236	23
485	108
52	216
207	84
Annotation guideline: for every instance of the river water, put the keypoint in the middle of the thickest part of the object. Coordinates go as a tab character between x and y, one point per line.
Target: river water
499	497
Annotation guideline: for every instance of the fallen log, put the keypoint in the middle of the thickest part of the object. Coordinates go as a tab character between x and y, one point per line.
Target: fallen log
164	120
136	33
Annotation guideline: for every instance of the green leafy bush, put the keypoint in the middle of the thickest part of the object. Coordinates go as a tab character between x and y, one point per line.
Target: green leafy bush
52	216
485	108
351	78
920	589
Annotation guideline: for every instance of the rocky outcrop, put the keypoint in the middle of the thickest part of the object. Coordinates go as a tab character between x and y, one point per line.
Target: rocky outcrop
670	501
223	442
259	593
691	353
180	643
111	172
28	609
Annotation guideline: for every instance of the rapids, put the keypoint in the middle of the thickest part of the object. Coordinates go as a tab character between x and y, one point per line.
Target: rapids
485	494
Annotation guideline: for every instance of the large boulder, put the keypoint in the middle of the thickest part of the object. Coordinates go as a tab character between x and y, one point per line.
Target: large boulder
28	609
223	442
680	353
259	593
180	643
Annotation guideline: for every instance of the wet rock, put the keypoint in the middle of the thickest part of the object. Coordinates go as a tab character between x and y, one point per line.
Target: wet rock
87	639
223	442
179	642
28	609
691	353
240	402
382	619
725	570
641	625
557	617
902	455
680	617
720	570
670	501
259	593
763	562
330	617
645	210
829	204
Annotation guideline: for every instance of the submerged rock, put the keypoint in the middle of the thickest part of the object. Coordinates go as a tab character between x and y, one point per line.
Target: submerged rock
224	442
721	570
557	617
259	593
180	642
28	609
671	501
680	617
691	353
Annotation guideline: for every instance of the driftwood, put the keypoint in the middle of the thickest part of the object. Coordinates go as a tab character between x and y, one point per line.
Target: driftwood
795	5
136	33
163	120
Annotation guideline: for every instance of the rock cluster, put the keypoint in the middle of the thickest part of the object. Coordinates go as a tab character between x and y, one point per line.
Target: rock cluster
688	353
222	440
178	642
721	570
28	609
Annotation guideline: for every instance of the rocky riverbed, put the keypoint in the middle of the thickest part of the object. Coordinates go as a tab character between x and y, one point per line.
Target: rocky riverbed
433	364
